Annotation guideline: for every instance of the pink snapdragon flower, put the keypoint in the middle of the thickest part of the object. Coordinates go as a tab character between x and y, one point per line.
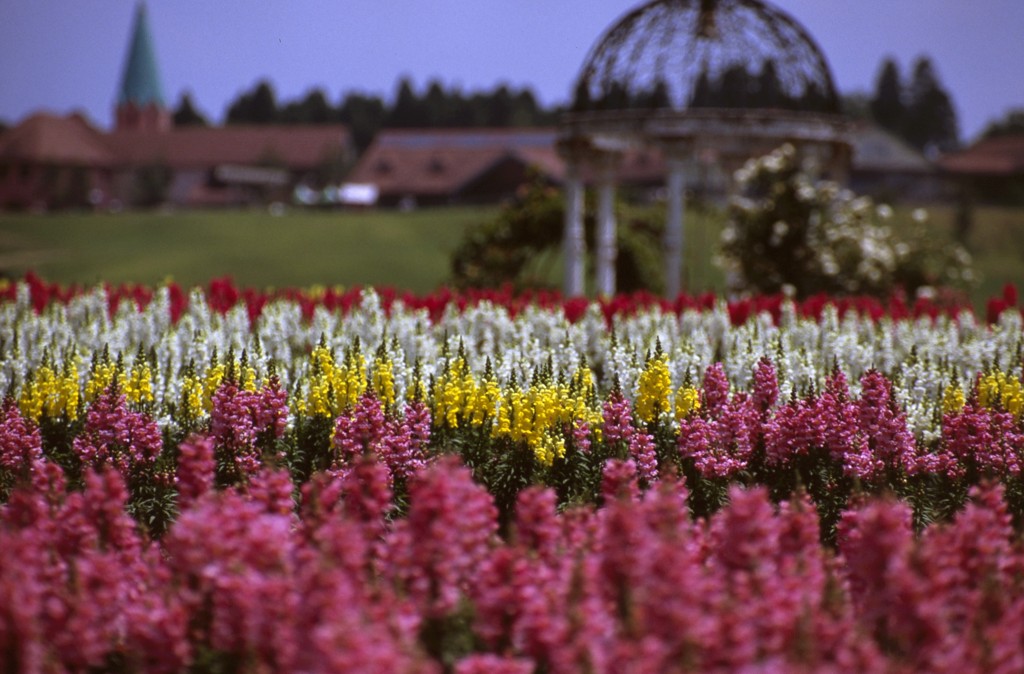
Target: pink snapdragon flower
400	441
21	445
618	418
721	437
118	436
242	421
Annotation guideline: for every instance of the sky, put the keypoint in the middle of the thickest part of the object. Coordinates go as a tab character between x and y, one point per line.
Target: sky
67	55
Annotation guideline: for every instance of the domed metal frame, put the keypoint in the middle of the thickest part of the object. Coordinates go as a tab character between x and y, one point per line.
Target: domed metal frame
718	79
687	54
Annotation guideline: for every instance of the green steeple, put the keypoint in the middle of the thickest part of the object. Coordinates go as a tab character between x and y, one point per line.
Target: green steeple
140	83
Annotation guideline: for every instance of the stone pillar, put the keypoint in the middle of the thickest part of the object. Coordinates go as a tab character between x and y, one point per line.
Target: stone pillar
573	243
673	238
607	250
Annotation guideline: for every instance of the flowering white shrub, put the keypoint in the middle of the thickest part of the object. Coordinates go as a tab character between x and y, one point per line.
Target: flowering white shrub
789	233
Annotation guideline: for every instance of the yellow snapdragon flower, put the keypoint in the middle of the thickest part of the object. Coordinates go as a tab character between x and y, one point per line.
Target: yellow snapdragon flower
997	389
549	447
68	388
211	381
101	376
384	379
191	405
655	389
350	380
47	392
331	388
687	401
138	388
452	390
952	399
483	406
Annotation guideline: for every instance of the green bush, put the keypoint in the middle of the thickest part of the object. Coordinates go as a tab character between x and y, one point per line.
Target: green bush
791	234
505	250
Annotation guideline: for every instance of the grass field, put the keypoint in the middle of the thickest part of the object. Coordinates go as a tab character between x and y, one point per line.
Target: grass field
996	244
403	250
383	248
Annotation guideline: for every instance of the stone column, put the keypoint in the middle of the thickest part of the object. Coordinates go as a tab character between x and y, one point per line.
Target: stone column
573	243
673	238
607	250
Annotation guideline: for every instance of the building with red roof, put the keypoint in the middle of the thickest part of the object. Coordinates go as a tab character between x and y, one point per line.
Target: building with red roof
49	161
483	165
990	170
53	161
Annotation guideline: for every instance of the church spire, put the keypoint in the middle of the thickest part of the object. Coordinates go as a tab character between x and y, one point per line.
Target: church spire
140	99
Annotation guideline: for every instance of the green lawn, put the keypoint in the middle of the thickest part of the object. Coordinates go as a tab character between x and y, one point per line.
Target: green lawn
302	248
995	242
383	248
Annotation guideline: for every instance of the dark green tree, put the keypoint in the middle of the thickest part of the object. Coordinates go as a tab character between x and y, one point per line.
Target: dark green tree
525	110
264	104
856	105
887	105
407	110
438	105
776	241
186	114
768	88
736	88
581	97
931	122
704	93
1012	124
654	98
258	106
614	96
500	107
364	116
312	109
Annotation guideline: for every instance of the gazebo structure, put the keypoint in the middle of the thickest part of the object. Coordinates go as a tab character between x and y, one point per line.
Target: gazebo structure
710	83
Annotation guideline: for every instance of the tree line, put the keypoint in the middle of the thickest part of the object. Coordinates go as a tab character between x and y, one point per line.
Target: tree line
915	107
734	87
436	106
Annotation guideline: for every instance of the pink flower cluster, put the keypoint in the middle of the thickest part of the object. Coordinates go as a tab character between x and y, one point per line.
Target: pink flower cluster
241	419
866	436
78	586
117	435
399	440
619	428
197	468
435	551
340	584
979	440
947	601
722	436
21	445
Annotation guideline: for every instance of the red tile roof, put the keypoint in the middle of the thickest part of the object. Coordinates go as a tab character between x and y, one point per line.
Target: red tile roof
439	162
43	138
998	156
297	147
50	139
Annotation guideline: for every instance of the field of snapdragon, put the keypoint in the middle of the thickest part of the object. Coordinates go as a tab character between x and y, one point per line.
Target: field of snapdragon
222	479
